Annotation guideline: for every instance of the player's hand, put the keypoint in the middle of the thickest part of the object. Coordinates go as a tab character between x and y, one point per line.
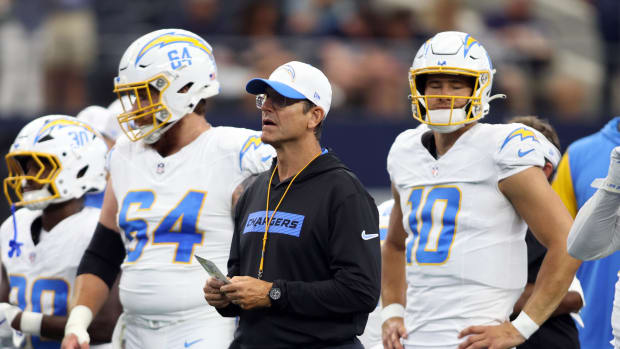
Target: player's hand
392	330
248	292
491	337
71	342
213	295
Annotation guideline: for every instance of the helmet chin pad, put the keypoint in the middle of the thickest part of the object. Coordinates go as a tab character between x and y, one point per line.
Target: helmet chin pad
37	199
446	120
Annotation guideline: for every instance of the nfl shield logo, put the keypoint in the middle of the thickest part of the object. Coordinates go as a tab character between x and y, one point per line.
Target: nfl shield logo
31	257
160	168
435	170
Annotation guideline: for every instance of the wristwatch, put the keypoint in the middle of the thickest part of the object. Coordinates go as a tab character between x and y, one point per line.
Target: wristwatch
275	293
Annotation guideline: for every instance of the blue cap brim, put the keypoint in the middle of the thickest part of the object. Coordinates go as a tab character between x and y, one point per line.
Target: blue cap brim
258	86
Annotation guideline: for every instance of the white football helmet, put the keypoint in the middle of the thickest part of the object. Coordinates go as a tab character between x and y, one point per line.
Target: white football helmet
67	157
179	65
452	53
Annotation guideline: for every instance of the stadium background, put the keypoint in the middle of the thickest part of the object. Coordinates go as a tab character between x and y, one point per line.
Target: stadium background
555	59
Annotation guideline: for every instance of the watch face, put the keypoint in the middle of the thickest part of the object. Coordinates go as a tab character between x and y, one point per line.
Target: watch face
275	293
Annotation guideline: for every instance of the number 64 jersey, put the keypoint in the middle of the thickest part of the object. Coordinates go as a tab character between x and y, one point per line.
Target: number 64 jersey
170	208
467	260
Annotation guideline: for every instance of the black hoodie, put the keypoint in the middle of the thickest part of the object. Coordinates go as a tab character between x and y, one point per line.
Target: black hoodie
322	251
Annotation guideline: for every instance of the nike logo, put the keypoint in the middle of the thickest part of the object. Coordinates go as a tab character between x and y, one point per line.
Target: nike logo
1	322
189	344
265	158
524	153
368	236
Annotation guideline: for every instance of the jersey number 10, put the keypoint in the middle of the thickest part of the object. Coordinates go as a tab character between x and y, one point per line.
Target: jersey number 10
433	221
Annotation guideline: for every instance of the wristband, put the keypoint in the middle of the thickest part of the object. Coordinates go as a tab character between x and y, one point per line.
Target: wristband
78	323
525	325
392	310
31	323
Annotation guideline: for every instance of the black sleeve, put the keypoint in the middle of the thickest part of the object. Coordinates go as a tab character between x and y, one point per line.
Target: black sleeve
355	263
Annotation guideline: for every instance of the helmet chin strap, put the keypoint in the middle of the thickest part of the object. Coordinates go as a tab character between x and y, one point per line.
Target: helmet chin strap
37	196
156	135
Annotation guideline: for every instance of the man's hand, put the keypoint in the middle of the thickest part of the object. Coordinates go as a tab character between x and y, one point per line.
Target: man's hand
248	292
213	295
392	330
492	337
71	342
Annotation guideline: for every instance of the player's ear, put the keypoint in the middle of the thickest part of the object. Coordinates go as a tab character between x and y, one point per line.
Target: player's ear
316	116
548	169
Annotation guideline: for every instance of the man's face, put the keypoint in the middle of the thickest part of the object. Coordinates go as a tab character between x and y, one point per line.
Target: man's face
143	101
447	85
283	118
32	168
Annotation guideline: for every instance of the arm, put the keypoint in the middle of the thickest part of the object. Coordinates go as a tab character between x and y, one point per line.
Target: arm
97	272
596	231
393	281
535	201
550	222
90	289
571	303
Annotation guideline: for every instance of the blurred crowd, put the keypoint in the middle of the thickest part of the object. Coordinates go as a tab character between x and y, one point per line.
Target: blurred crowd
559	60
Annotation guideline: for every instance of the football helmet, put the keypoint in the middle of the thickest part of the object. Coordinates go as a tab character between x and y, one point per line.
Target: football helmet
163	74
452	53
63	156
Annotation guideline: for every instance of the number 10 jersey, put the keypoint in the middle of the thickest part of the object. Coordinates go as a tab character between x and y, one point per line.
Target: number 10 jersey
467	261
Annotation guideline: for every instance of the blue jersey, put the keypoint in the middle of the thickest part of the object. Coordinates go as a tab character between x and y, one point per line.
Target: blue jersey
584	161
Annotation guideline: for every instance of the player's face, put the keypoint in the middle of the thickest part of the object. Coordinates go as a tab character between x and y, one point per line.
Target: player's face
32	168
144	99
447	85
283	118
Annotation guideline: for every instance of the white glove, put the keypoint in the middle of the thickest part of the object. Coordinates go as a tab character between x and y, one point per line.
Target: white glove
612	182
9	312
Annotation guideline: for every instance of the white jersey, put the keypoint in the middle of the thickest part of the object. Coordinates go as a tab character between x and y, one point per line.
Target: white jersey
170	208
42	276
467	255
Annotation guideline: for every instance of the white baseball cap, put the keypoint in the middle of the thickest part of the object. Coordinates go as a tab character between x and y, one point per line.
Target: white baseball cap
296	80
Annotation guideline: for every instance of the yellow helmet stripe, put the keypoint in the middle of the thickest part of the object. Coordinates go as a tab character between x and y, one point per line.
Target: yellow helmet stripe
172	38
63	122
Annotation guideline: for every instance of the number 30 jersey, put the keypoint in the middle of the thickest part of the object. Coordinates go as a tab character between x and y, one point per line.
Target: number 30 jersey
170	208
42	276
467	261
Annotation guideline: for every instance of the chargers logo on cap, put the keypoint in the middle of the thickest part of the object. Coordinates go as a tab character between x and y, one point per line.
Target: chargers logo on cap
290	70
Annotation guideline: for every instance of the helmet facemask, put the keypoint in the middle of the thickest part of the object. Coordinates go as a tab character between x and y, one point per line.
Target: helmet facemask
452	118
144	116
44	173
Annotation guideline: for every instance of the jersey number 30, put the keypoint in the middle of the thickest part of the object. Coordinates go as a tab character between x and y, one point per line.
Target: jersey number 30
433	221
179	226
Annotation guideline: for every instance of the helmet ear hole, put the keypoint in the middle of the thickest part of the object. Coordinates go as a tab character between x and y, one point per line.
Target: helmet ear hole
185	88
82	172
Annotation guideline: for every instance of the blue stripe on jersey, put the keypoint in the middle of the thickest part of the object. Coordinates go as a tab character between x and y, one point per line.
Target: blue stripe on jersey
281	223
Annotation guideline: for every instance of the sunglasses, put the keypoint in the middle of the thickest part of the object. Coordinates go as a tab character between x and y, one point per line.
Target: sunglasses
277	100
